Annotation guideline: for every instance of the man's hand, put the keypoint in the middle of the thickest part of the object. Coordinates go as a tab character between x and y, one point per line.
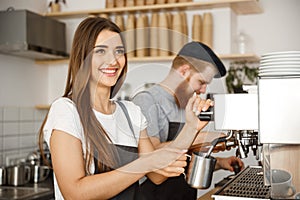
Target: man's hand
228	163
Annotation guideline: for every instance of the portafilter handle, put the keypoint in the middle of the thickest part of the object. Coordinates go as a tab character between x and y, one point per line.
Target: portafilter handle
207	115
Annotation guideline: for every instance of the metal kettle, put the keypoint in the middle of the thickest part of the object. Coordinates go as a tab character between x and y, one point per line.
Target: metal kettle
2	176
18	175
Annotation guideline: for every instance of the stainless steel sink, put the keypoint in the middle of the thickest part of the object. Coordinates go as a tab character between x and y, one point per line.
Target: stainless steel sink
10	192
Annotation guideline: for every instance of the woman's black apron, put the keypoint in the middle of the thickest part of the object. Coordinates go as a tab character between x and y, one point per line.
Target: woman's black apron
126	154
174	188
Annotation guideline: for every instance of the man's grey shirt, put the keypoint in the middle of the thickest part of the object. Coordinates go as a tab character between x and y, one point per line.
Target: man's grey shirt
159	108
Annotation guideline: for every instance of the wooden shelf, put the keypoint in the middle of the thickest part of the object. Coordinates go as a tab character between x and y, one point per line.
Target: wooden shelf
240	7
56	61
249	57
42	107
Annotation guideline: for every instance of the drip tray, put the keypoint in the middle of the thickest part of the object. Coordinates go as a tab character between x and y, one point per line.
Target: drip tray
248	184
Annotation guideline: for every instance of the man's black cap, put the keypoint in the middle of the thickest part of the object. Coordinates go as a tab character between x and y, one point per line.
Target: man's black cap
200	51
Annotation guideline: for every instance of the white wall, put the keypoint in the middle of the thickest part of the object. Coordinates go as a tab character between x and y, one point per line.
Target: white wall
38	6
22	83
276	29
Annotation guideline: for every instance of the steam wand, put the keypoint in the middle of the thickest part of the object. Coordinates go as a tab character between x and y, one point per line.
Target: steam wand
213	144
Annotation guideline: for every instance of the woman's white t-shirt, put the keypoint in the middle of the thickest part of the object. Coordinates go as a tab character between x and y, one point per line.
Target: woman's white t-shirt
63	116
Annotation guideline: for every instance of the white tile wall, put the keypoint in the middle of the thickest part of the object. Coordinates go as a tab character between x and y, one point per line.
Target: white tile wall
26	127
1	114
10	128
1	128
26	114
10	143
18	132
1	136
10	114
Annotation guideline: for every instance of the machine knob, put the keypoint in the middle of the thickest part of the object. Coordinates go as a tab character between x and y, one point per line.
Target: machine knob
236	167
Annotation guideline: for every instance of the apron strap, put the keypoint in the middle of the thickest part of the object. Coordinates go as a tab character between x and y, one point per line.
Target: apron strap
123	107
126	115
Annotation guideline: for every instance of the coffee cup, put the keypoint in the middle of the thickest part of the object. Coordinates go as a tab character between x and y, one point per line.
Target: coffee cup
281	184
200	170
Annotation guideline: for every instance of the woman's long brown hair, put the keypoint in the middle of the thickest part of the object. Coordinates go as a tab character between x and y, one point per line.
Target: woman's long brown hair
77	89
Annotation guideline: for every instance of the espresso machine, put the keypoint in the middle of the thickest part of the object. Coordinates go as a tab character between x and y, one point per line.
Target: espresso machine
266	121
237	115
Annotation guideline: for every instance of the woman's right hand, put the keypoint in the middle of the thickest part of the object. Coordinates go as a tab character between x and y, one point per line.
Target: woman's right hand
174	169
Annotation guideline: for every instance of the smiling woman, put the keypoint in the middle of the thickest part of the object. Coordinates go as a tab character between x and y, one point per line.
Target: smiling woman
104	142
108	59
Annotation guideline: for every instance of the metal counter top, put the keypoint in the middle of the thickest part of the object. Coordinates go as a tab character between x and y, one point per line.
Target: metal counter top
31	191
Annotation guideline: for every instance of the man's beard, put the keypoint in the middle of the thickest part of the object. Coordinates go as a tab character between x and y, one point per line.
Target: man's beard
183	93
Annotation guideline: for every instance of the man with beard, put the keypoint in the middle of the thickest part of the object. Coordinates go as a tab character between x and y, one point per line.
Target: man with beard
163	105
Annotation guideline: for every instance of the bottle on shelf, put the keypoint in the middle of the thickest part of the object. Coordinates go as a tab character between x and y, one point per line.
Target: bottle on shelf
130	35
130	3
119	3
141	36
154	35
150	2
177	36
207	29
119	21
161	1
140	2
184	28
163	35
242	43
110	3
197	28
